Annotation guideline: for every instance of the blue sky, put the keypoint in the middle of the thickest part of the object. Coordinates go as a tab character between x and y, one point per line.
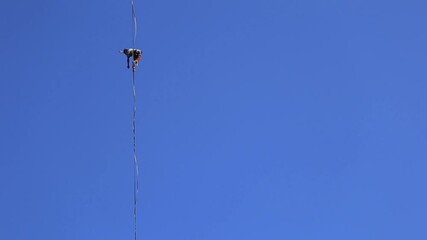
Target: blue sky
256	120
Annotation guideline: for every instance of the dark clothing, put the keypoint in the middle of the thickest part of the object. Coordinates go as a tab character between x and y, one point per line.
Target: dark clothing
135	53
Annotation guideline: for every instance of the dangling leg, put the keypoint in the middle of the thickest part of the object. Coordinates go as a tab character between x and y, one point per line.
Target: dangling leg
136	60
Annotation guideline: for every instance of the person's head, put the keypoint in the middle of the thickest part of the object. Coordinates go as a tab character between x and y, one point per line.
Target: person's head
126	51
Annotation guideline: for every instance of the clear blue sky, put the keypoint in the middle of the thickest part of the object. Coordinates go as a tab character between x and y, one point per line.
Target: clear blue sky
256	120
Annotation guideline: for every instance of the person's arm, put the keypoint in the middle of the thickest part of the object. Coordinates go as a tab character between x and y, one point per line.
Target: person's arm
128	60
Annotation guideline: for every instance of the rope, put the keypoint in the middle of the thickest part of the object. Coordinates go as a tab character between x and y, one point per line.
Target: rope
135	161
134	25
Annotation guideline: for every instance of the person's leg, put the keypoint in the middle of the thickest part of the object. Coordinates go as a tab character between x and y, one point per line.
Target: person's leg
137	59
